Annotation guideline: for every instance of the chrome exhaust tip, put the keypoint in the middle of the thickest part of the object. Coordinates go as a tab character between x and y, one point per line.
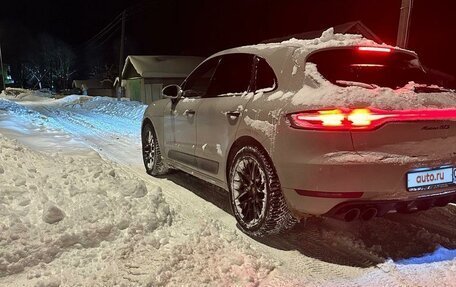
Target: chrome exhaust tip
352	214
368	214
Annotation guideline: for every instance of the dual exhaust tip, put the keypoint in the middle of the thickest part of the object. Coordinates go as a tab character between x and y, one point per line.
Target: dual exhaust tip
370	210
356	213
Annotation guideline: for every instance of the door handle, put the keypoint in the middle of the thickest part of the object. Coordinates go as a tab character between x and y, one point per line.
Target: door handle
189	112
235	114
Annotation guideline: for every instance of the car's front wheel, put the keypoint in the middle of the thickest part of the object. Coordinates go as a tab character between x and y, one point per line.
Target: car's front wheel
256	197
153	161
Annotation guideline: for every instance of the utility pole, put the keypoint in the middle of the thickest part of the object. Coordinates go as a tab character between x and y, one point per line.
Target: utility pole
121	60
3	72
404	23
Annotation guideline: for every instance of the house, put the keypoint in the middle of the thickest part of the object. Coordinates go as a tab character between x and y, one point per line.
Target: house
144	77
93	87
6	76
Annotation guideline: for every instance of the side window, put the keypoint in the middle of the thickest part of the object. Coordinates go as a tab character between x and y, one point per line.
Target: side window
233	75
197	84
265	76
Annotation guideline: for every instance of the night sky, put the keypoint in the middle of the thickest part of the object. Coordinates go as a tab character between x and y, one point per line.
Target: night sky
202	27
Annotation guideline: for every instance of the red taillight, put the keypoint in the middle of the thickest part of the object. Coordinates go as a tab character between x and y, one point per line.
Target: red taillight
363	119
375	49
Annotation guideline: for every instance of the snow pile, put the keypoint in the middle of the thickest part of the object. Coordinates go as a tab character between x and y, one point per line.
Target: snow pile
329	39
73	114
101	105
108	106
69	220
50	205
206	255
16	109
17	94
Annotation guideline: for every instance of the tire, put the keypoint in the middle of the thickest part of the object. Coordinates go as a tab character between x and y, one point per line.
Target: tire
153	160
256	197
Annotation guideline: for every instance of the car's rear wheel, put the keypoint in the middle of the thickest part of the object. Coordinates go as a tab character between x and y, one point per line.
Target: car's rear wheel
255	194
153	161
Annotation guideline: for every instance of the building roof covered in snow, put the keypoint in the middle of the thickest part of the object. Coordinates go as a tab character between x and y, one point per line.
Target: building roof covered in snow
159	66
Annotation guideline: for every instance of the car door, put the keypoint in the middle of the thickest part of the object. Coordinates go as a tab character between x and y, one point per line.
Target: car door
181	115
221	110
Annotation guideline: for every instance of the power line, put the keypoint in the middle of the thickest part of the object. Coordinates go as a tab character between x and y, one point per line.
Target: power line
107	38
109	30
103	32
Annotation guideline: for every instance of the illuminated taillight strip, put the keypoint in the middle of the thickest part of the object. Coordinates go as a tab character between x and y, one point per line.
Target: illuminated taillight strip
363	119
375	49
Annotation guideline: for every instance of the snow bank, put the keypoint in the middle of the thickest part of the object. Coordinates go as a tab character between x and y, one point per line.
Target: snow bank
50	205
74	221
17	94
206	256
330	39
103	105
327	39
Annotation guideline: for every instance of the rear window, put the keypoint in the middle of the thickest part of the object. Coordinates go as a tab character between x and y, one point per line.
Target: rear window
346	67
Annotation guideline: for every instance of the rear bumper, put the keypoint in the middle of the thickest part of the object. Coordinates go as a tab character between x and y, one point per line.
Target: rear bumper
366	209
319	185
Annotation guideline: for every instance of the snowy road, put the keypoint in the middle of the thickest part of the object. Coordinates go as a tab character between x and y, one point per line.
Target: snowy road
383	252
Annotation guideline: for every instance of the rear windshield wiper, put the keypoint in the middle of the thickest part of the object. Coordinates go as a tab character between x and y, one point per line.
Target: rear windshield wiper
356	84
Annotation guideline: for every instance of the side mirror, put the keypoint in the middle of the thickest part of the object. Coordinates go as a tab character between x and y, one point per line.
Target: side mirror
173	92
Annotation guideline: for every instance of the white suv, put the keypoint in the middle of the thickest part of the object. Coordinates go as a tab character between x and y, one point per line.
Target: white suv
337	126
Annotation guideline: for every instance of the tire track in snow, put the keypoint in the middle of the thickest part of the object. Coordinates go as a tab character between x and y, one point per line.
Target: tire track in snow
441	221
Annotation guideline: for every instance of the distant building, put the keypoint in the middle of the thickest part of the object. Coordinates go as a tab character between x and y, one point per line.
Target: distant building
6	77
95	88
144	77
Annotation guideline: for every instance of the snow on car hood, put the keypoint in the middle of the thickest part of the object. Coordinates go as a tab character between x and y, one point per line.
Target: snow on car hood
327	95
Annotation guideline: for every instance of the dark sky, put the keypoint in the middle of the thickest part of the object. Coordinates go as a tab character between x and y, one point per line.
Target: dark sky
201	27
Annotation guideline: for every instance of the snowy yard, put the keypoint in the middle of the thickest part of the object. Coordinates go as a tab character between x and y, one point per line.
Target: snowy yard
77	209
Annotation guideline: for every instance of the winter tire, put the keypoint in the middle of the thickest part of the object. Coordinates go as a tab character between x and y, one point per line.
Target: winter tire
153	161
255	194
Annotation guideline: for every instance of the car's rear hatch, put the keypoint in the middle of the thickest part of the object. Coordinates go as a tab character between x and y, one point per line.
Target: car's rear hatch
410	142
401	117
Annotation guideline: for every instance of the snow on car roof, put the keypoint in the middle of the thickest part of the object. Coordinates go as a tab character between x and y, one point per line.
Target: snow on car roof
287	57
304	47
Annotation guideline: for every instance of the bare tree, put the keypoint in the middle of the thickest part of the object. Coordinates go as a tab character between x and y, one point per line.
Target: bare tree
101	71
50	64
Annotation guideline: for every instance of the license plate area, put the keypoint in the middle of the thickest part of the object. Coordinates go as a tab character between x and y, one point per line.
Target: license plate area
429	179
